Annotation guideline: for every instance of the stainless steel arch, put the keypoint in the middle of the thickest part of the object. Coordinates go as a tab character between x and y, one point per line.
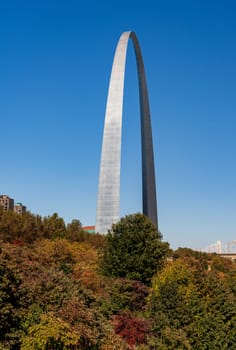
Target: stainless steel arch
108	204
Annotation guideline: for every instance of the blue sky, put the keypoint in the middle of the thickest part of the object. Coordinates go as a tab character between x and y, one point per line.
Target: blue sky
55	64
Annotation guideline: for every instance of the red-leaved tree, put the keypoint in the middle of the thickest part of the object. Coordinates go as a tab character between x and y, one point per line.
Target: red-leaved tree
131	329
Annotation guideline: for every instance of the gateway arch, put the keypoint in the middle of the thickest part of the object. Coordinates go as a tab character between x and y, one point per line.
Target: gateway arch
108	203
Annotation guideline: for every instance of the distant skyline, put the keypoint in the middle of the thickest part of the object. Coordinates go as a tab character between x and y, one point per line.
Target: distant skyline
55	65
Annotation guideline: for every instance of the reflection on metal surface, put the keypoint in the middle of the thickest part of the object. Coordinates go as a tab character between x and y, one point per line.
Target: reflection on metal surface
108	205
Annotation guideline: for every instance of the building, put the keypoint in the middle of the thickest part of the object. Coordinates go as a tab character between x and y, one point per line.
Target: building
19	208
6	202
89	229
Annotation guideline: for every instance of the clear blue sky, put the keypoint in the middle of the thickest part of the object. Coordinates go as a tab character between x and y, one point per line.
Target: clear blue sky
55	63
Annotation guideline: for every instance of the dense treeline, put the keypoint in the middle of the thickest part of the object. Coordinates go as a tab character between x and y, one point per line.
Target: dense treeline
27	228
61	288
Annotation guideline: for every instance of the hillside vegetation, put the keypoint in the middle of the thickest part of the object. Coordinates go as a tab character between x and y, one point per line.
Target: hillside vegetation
61	288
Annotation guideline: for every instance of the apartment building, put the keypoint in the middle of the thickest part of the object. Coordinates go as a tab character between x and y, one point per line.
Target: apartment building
19	208
6	202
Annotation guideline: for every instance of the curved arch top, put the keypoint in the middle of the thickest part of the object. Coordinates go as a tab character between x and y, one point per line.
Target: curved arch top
108	204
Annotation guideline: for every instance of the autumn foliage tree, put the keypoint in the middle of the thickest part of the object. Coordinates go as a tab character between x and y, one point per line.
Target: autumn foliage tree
193	304
132	329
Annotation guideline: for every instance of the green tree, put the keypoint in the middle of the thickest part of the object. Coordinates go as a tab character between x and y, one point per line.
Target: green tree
73	230
134	249
54	226
194	304
50	333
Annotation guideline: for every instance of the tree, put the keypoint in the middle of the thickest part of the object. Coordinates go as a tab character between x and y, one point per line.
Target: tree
26	228
54	226
194	304
134	249
73	230
124	294
51	333
10	304
131	329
